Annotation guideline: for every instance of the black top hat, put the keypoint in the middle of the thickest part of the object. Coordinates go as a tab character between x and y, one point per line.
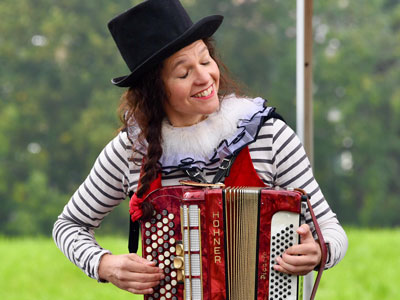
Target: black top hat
154	30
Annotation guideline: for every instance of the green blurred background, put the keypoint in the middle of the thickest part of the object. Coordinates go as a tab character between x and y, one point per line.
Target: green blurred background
58	109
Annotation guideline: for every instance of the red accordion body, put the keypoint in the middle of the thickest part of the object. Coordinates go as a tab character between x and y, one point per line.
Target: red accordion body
215	243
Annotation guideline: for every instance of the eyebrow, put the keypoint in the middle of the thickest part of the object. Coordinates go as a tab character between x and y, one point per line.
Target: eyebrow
183	60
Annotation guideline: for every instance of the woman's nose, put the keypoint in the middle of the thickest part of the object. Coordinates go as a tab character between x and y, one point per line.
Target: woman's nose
202	75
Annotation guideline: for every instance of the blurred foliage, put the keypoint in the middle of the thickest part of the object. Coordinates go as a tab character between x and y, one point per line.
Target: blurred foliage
58	108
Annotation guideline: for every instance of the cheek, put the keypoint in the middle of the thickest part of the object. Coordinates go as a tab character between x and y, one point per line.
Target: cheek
177	92
216	73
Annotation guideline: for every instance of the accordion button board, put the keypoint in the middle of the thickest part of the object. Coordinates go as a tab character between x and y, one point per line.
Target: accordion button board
283	236
218	244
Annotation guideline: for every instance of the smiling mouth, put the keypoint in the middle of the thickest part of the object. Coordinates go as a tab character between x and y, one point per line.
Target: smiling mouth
207	92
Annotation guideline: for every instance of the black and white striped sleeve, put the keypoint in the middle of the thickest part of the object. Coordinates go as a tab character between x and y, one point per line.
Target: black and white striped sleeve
106	187
288	166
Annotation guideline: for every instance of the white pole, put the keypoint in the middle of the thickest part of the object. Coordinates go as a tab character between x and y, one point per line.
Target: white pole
300	104
300	69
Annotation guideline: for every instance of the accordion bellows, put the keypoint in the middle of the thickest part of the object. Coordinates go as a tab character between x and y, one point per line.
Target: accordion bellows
215	243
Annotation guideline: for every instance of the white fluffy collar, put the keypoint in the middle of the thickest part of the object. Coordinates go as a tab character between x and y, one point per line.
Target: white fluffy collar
202	139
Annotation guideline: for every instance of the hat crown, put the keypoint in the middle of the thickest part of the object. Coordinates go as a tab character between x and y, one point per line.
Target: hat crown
148	27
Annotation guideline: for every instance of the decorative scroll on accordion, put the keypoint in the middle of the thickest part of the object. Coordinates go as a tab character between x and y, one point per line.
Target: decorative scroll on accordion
215	243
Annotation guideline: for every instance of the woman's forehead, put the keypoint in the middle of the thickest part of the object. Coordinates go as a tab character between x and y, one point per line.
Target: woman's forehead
196	48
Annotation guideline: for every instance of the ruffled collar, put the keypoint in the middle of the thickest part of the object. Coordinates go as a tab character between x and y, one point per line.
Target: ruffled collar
206	144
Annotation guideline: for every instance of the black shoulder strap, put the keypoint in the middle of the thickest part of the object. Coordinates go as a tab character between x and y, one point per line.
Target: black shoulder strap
195	175
275	115
272	114
224	168
134	228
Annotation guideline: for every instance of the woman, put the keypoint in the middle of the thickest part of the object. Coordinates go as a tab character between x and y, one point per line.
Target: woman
180	113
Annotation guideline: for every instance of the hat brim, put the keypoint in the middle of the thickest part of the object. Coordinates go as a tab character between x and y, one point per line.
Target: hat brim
204	28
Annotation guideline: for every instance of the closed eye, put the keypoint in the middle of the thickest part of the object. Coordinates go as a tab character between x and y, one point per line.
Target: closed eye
184	76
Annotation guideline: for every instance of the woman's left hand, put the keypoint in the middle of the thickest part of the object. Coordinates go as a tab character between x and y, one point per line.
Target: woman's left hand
302	258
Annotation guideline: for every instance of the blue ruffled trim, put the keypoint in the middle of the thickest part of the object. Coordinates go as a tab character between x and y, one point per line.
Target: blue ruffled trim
246	133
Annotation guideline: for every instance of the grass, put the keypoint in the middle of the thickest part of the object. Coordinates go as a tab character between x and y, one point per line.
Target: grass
33	268
370	269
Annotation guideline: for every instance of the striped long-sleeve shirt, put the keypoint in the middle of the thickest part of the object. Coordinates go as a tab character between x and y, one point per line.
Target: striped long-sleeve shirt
278	157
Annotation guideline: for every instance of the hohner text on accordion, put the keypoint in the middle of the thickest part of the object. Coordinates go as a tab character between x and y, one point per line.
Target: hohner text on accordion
216	237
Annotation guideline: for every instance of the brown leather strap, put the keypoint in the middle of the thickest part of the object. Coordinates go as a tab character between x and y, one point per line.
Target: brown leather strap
324	250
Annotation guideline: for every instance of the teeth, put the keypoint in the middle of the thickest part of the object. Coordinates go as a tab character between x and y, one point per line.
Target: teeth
204	93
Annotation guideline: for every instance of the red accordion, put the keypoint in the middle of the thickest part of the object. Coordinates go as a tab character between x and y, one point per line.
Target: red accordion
221	243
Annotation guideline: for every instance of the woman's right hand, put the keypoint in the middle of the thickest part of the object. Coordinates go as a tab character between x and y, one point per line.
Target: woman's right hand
130	272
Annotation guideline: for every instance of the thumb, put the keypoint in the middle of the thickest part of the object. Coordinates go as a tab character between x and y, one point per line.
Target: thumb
305	234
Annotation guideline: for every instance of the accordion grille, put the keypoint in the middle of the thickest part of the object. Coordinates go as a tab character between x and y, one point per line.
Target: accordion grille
241	228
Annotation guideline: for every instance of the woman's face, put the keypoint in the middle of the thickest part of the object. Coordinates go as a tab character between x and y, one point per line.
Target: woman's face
191	79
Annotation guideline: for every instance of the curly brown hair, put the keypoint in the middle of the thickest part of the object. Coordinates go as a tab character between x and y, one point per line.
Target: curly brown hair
144	104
